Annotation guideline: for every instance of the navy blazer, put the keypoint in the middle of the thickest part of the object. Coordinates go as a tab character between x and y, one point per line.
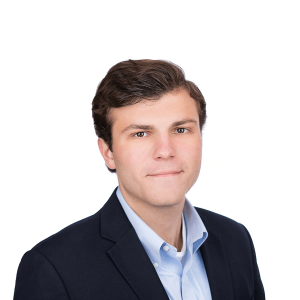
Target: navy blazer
102	258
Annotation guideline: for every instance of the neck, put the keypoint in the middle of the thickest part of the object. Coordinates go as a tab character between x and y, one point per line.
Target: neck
166	220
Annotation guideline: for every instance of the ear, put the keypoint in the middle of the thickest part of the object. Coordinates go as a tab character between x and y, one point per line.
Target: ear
107	154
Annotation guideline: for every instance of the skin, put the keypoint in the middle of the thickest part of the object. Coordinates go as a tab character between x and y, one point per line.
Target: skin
138	154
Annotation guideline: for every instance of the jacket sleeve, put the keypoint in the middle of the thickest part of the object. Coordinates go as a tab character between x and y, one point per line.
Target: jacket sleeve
37	279
259	292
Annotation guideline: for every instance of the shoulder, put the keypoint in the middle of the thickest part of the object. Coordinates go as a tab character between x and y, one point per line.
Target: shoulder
77	235
235	237
222	225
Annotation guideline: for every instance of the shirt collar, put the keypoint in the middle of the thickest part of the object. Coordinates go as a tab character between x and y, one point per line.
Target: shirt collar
183	234
194	231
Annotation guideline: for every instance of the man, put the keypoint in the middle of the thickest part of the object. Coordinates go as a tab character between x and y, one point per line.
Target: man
147	241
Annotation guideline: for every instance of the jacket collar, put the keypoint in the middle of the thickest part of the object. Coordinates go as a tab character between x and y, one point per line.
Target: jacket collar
216	263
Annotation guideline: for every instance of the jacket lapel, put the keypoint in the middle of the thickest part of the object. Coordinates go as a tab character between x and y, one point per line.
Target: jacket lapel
128	253
216	267
133	262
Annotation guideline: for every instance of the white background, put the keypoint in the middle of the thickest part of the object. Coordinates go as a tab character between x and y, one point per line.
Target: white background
244	57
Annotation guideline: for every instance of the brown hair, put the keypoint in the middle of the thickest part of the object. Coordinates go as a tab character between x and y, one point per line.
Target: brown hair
132	81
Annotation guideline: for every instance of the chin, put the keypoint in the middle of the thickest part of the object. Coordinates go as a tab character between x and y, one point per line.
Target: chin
165	197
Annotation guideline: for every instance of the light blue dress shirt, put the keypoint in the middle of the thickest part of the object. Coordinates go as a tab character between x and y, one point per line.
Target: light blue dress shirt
182	273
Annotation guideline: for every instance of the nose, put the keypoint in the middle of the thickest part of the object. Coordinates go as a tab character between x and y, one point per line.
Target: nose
164	147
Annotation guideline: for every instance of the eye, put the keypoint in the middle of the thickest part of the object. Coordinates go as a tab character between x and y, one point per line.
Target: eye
137	134
181	129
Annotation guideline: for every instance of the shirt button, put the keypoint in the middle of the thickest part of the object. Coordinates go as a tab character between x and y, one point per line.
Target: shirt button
155	265
166	248
182	280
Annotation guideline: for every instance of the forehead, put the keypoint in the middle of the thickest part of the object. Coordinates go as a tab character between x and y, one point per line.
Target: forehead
170	108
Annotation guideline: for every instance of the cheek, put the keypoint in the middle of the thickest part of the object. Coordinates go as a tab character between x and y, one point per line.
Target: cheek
192	152
132	158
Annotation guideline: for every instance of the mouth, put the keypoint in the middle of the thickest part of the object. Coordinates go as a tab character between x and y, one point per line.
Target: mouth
167	174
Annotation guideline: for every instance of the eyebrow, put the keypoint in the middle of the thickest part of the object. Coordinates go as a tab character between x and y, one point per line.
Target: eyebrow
151	127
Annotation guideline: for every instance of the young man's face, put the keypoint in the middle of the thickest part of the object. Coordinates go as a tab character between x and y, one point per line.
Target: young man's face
139	154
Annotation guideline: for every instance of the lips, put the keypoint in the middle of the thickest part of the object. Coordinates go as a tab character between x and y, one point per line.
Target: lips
166	173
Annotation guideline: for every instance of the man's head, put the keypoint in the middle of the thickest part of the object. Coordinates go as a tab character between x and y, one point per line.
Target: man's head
170	113
133	81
